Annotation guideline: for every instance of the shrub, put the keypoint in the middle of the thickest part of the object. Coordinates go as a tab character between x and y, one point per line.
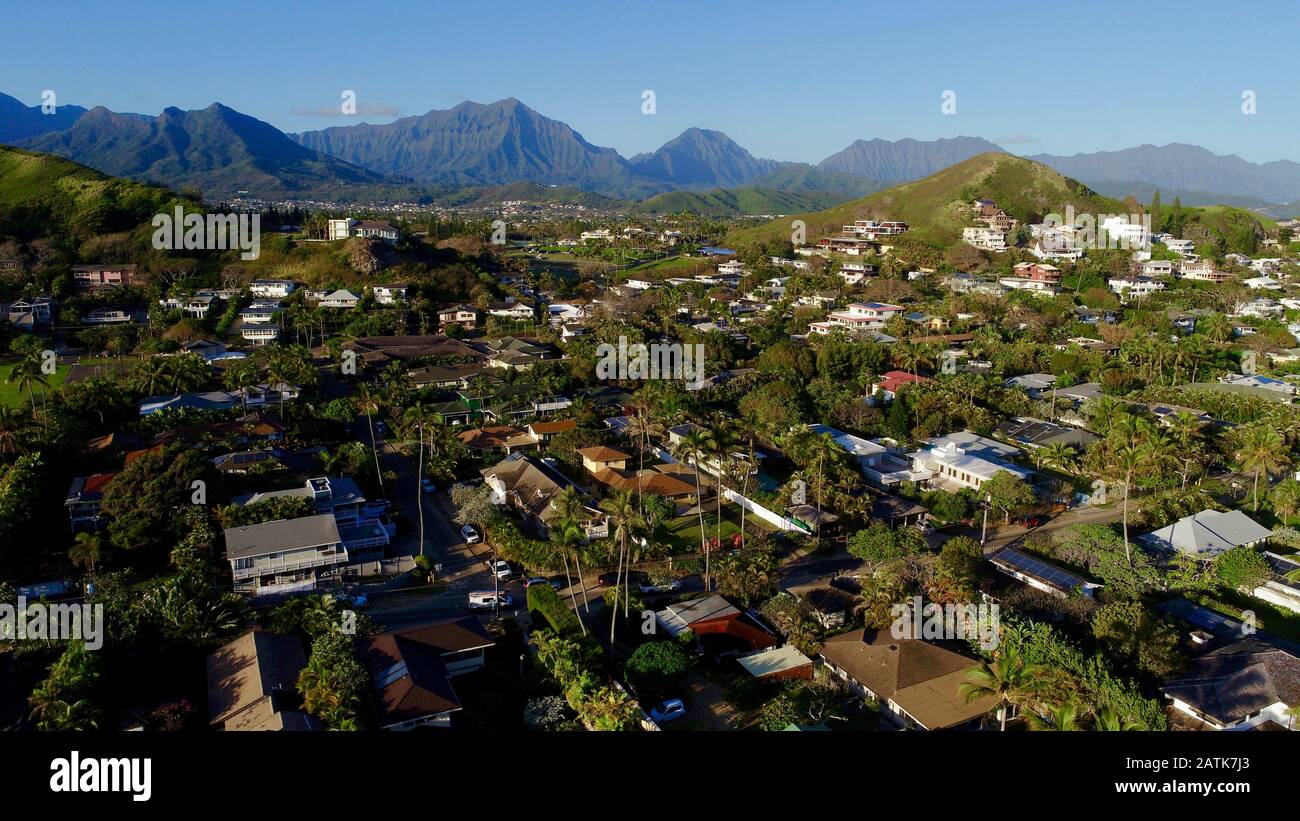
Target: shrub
544	601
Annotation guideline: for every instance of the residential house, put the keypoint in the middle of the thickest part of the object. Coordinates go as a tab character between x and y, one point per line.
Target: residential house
93	277
466	316
1246	685
412	670
253	684
964	459
892	381
337	229
783	663
342	299
916	683
389	294
83	498
1206	534
1041	574
529	485
271	288
712	615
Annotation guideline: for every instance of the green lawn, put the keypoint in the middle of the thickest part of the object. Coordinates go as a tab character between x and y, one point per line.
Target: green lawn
684	531
10	395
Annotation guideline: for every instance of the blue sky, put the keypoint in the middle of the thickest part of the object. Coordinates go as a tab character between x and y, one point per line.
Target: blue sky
786	81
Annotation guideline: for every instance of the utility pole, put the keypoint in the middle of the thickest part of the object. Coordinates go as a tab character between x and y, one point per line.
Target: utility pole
419	484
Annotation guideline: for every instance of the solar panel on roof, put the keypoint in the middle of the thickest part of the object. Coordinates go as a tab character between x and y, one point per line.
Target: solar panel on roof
1030	566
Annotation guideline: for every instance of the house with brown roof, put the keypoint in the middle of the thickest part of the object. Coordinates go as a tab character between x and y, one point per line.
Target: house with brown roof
596	459
411	671
1243	686
530	485
252	684
916	683
498	438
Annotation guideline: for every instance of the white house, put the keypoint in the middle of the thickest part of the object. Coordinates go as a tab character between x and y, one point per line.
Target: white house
389	294
272	288
990	239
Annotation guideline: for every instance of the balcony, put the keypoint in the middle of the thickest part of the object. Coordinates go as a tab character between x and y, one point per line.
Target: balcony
264	567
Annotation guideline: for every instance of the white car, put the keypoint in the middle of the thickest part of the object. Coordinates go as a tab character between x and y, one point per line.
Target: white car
500	568
470	534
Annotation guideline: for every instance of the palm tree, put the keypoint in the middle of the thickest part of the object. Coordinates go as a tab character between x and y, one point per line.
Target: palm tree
1126	461
1260	448
1106	720
1065	717
571	508
27	374
86	550
1286	498
691	448
368	404
1185	427
1058	455
643	425
720	441
1006	678
1102	413
622	512
11	428
567	533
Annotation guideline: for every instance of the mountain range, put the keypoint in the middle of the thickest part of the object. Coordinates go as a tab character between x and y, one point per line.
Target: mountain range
223	152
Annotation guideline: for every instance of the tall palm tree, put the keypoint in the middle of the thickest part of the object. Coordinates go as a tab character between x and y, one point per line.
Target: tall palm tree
1260	449
567	533
1185	427
27	374
691	448
622	512
643	425
720	440
368	404
573	509
1126	461
1007	679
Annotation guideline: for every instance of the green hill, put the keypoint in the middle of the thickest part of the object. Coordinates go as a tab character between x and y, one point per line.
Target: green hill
936	207
42	195
735	202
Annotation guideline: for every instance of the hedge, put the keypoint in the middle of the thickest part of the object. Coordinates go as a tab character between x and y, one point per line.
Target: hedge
544	601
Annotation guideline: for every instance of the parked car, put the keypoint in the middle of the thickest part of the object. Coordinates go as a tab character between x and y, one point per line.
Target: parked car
483	600
470	534
611	577
500	568
427	485
353	599
669	710
1030	522
652	586
532	580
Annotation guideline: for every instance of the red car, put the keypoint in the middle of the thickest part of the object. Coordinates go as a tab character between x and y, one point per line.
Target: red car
1031	522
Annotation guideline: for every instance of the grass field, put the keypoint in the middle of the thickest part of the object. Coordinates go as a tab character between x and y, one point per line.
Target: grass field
10	395
684	531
